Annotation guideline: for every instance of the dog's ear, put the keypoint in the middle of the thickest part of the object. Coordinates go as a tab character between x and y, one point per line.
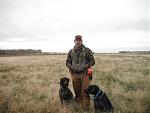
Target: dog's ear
68	80
61	81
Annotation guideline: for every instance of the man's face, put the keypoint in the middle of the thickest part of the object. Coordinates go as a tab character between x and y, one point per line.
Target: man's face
78	42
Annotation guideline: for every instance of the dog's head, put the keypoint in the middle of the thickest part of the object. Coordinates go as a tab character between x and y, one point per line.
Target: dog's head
64	82
92	89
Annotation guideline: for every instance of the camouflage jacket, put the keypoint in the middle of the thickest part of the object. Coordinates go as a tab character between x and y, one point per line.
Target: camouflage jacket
79	59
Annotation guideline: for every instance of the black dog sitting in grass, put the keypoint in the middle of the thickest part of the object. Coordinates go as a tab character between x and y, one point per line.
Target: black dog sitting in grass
101	101
65	94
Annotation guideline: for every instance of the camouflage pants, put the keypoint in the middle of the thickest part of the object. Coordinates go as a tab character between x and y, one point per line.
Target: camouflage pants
80	82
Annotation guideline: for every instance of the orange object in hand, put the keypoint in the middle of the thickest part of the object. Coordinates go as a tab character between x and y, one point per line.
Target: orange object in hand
89	72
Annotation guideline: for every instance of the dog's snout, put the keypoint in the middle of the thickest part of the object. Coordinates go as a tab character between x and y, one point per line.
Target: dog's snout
66	83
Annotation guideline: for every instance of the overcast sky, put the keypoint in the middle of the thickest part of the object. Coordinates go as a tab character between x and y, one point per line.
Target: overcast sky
50	25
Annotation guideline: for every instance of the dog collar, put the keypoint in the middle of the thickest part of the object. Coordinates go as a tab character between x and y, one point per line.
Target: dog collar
94	98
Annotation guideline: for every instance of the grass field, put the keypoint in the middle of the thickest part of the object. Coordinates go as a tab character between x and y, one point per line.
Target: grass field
29	84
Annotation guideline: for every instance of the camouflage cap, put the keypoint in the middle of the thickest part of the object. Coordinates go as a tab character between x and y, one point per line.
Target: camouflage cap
78	37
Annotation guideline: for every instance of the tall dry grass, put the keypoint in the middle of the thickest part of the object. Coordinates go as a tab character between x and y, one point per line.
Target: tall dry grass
29	84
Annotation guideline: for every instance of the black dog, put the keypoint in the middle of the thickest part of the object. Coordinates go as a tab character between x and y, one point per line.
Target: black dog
65	94
101	101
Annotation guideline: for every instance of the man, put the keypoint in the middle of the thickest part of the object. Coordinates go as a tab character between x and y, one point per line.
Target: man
79	59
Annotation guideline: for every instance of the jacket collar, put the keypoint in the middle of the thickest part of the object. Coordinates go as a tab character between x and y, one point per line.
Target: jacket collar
75	48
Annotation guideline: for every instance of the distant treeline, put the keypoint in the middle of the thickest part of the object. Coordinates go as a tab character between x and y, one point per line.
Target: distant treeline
135	52
19	52
54	53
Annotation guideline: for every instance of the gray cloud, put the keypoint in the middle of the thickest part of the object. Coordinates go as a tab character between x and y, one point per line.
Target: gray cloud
138	25
39	34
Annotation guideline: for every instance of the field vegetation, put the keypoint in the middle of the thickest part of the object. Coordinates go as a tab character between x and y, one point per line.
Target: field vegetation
30	84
